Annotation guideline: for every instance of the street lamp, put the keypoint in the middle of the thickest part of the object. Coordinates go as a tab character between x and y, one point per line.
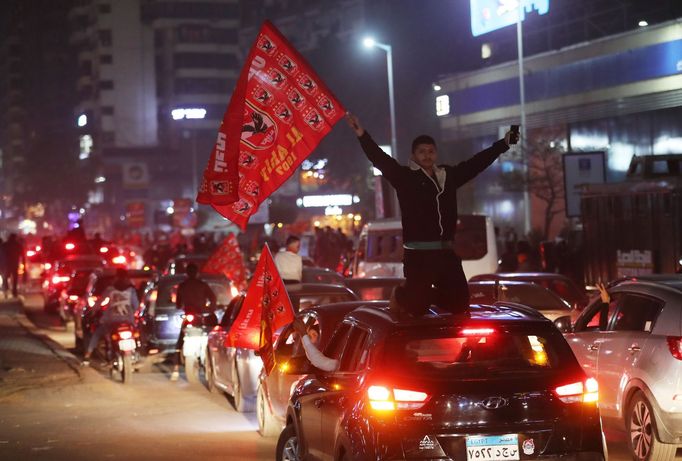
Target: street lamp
191	113
369	42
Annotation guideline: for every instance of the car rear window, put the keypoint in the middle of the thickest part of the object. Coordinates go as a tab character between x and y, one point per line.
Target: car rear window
530	295
475	354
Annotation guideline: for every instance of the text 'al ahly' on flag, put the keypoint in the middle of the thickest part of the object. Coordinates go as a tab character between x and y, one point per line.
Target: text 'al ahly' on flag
279	112
265	309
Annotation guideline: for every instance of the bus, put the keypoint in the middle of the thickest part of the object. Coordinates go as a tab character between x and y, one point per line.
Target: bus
380	248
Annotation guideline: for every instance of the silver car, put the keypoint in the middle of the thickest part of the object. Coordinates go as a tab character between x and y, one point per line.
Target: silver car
633	346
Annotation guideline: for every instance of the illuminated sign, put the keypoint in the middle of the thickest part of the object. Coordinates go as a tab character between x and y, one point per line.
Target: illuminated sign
442	105
310	201
188	113
489	15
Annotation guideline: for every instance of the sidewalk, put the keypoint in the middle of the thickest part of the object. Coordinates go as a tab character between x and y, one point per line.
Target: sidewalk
29	359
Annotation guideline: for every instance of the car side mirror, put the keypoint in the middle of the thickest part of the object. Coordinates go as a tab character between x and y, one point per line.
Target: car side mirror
563	324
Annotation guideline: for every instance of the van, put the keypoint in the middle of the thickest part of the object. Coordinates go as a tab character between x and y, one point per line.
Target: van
380	248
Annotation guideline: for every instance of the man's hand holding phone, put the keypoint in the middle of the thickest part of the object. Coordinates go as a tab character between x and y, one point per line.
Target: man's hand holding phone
513	135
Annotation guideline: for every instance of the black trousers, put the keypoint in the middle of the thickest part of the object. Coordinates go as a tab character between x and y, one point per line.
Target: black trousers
433	277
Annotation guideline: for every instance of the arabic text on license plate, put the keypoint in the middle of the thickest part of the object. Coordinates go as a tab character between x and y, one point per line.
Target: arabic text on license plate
492	447
126	344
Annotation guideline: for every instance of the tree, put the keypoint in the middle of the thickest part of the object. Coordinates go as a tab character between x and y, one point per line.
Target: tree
545	173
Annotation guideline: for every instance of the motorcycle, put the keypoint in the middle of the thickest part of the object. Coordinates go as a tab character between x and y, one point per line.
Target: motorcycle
195	342
121	351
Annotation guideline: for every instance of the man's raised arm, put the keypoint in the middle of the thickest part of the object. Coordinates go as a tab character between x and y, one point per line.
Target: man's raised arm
469	169
388	166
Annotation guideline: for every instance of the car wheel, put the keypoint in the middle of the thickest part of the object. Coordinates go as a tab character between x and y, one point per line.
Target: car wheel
643	441
267	424
240	402
208	370
287	445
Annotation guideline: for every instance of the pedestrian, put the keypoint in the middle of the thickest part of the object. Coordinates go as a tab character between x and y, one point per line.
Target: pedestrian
289	263
427	194
13	252
508	260
194	296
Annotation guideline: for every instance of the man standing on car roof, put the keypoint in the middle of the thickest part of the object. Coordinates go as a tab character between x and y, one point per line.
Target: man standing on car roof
428	203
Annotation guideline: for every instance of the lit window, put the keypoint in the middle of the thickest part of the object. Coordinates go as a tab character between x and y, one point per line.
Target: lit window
442	105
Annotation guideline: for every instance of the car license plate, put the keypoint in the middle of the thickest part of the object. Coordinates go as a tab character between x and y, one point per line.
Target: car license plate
126	345
492	447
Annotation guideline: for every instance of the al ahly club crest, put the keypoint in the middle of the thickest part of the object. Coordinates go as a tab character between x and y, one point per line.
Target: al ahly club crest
259	131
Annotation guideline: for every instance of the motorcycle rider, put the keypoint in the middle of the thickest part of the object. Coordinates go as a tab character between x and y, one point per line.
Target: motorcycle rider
192	297
119	303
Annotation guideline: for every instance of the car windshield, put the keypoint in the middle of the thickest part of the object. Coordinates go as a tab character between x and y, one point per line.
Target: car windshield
79	264
475	354
168	293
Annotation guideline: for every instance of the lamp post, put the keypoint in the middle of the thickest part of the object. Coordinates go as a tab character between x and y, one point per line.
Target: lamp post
369	42
191	113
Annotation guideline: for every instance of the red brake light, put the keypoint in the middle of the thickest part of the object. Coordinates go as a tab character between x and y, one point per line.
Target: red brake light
477	331
587	391
73	298
57	279
382	398
30	253
92	300
69	246
675	346
103	250
189	318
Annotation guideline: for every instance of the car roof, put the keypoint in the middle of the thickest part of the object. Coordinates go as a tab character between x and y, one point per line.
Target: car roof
312	288
500	312
191	256
508	283
670	281
519	275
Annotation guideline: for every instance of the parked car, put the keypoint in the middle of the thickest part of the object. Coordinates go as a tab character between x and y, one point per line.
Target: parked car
159	321
75	289
235	370
321	275
370	288
272	396
529	294
57	278
563	286
84	306
633	347
178	264
502	384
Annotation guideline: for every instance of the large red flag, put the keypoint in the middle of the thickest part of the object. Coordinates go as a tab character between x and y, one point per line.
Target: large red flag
228	259
266	301
279	112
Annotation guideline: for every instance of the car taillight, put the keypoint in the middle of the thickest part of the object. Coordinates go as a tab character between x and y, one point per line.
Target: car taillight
675	346
103	250
234	291
587	391
30	253
73	297
57	279
120	259
189	318
477	331
382	398
69	246
92	300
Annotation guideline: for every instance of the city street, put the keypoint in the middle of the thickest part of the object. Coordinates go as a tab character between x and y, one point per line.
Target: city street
84	415
87	416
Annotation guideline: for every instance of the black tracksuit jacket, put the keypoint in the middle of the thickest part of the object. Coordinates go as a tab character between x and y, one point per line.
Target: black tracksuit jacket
428	214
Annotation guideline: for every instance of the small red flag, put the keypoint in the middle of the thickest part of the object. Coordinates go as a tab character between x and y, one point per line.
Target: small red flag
279	112
265	310
227	259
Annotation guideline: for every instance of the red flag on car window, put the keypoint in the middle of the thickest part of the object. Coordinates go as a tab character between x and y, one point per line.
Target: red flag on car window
279	112
227	259
265	310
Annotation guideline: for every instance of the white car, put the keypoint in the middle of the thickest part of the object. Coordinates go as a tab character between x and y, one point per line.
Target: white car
633	347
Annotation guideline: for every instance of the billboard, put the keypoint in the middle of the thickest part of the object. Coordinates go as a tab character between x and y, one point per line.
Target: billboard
489	15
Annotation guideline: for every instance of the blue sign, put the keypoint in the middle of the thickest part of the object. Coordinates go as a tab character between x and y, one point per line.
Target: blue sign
489	15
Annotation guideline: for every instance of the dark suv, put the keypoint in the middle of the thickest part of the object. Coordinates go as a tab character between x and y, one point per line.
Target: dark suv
501	384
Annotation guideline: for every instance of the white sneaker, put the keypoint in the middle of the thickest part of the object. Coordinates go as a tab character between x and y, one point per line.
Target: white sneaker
175	376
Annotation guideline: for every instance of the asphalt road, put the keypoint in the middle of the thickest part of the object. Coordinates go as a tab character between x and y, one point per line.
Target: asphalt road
151	419
101	419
